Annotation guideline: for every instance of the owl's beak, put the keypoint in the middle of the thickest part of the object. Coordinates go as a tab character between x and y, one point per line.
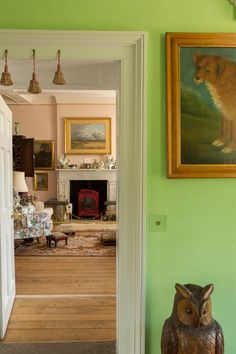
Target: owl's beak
199	322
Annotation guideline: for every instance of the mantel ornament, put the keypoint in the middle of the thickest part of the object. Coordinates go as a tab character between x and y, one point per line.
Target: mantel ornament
191	329
63	161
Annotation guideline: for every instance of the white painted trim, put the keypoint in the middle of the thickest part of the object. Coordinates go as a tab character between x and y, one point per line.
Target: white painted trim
12	96
128	48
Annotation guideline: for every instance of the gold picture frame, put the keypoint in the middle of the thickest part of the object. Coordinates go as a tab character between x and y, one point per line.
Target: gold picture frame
199	141
87	136
40	181
44	154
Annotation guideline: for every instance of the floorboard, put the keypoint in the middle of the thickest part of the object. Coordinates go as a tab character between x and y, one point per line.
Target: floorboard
64	299
38	275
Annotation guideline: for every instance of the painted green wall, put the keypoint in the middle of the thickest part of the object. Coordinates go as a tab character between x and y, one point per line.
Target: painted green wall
200	243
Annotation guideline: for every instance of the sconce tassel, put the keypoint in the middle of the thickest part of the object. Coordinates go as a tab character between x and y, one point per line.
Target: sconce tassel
59	76
34	85
6	76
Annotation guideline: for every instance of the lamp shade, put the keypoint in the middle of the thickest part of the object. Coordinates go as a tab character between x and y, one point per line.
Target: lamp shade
19	183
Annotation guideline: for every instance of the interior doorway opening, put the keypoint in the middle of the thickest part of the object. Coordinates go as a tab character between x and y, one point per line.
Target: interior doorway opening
26	115
130	49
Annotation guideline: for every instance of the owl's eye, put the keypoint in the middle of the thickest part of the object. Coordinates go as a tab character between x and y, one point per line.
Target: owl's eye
188	311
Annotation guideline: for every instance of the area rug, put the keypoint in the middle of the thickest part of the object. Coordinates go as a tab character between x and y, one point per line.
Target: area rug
81	244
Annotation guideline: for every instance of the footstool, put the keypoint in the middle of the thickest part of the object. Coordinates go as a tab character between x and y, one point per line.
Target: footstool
56	237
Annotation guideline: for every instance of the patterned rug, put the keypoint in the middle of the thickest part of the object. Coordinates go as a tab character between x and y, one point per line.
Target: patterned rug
81	244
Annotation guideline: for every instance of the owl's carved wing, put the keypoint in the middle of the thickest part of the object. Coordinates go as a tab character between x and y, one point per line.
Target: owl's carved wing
169	341
219	339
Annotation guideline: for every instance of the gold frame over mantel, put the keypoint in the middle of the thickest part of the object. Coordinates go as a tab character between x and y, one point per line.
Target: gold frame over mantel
193	120
86	130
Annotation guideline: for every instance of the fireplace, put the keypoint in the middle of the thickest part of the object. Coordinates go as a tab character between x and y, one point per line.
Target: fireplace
97	186
100	180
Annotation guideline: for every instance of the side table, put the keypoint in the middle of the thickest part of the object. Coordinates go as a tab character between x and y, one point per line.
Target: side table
59	208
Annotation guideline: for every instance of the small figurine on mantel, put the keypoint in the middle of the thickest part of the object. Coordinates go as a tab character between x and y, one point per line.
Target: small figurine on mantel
64	162
101	165
191	329
110	163
95	164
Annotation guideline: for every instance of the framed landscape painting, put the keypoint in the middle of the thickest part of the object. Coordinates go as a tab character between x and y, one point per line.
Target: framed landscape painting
88	136
201	105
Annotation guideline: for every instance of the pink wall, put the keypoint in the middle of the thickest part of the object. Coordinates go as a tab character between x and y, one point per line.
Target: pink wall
46	122
38	122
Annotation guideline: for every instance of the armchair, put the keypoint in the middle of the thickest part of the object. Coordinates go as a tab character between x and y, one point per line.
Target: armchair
30	222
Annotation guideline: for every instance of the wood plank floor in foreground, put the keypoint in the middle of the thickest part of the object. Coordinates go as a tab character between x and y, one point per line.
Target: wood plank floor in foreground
63	299
38	275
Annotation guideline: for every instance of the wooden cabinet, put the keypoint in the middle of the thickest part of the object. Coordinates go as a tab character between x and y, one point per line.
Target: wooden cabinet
23	155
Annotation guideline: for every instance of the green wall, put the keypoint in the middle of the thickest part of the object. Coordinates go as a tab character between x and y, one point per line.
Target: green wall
200	243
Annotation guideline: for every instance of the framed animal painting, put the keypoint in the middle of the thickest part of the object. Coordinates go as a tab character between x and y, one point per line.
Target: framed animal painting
201	105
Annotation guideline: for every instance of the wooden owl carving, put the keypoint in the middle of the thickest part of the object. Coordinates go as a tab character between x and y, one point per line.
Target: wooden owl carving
191	329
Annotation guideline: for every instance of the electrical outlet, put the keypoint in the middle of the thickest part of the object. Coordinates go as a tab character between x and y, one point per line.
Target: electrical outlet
157	223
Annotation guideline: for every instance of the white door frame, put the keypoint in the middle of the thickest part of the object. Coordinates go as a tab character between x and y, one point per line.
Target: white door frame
129	48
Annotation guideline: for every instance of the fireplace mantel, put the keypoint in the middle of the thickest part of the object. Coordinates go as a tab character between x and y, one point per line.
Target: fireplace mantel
64	176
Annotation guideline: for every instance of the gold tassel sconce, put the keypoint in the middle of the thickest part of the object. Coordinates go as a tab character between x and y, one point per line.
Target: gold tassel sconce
59	77
6	76
34	84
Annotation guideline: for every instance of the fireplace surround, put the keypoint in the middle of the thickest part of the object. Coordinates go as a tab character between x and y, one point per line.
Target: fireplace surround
66	176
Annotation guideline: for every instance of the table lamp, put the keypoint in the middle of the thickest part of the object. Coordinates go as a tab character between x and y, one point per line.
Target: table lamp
19	183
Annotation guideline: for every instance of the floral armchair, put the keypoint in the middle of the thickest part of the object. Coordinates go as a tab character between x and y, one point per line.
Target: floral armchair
31	221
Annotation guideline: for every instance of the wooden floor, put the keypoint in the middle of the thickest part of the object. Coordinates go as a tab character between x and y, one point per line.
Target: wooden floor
38	275
64	299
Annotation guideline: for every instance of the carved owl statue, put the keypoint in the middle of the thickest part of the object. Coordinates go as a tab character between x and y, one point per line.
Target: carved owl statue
191	329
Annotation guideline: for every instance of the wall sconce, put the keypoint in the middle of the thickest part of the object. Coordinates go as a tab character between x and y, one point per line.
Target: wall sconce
34	84
6	76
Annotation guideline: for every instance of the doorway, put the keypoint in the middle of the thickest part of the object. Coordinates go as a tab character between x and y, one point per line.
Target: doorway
130	49
80	272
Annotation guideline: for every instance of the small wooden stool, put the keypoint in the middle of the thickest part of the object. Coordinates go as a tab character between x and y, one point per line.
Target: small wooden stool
69	233
56	237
